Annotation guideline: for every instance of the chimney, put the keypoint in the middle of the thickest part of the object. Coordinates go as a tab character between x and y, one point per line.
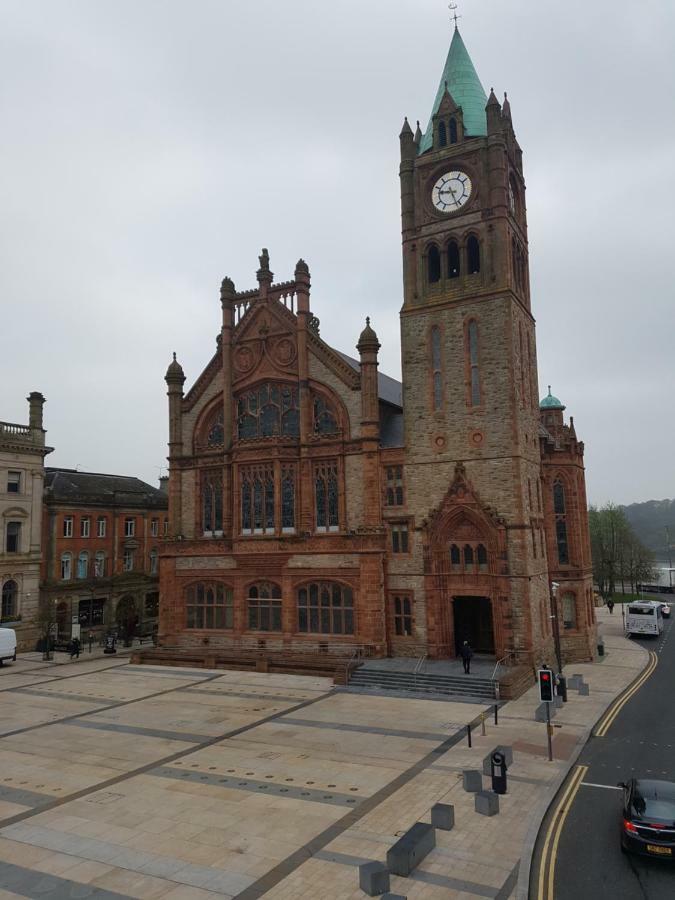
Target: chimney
35	403
164	484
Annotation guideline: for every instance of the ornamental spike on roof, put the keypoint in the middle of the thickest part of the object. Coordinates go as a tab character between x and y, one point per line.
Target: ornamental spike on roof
466	90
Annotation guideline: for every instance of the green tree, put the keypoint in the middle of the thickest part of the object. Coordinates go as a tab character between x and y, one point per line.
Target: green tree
618	555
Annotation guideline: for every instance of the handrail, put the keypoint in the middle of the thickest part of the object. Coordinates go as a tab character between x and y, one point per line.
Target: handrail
420	663
352	659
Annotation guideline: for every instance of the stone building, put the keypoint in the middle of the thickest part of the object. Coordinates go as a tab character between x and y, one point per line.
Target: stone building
101	540
316	503
22	454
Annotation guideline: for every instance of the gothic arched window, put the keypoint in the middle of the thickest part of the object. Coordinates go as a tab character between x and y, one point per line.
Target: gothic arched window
473	364
454	265
453	131
216	432
264	606
326	505
257	499
559	508
268	410
437	367
325	419
434	264
442	134
10	592
473	254
455	557
288	499
481	553
212	500
468	556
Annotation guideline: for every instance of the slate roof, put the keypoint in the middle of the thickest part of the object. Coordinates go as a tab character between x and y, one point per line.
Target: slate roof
390	392
97	489
389	389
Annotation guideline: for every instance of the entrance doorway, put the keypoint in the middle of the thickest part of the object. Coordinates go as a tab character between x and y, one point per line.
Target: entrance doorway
473	623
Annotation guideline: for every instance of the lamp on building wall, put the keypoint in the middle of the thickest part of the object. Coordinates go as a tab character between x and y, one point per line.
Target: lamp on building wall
556	624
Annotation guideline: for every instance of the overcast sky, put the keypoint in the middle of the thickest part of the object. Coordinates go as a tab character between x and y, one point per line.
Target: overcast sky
151	147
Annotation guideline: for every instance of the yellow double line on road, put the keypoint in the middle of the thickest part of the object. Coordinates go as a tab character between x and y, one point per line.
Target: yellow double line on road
606	721
550	848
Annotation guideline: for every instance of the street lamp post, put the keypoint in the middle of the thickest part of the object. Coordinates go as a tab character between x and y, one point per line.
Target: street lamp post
556	624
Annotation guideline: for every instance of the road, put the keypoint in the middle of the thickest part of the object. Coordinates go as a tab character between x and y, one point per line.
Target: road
587	863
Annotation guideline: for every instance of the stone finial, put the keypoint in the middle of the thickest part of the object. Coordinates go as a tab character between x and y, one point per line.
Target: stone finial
302	272
264	274
227	289
368	339
506	107
406	130
492	99
175	374
418	133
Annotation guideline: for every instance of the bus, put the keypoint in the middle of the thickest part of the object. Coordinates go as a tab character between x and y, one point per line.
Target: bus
644	618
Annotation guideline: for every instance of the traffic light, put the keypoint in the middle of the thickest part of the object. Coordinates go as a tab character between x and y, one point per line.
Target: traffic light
545	679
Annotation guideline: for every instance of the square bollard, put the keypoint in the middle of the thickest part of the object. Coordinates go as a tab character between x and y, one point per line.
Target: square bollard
487	803
443	816
573	683
393	897
472	781
410	849
557	701
584	690
373	878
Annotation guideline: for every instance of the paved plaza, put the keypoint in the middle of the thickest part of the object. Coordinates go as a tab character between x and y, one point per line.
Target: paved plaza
127	781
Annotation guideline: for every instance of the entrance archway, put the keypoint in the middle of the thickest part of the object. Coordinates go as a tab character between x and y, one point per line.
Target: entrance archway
472	618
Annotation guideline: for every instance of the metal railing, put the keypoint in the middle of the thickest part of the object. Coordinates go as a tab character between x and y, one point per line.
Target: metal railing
418	668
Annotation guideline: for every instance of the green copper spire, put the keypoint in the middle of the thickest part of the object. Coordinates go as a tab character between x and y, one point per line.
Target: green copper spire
466	90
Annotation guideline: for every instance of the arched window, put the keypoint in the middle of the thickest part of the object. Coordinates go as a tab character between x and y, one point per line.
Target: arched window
481	553
99	564
257	499
473	364
326	607
514	263
326	507
212	500
264	606
437	367
473	254
268	410
83	564
154	562
468	556
10	593
433	264
325	420
209	605
454	265
288	499
455	557
560	522
215	432
66	566
442	135
569	611
453	131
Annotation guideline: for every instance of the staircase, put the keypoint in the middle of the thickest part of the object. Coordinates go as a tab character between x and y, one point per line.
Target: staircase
469	687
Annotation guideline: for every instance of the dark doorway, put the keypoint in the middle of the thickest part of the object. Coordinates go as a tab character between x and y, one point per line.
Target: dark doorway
473	623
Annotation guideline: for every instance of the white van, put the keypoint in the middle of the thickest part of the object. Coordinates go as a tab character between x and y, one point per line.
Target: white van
7	644
644	618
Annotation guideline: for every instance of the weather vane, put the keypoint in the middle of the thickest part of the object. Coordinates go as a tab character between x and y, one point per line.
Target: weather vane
453	9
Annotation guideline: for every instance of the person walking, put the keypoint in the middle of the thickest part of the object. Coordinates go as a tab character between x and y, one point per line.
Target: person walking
466	653
75	648
610	606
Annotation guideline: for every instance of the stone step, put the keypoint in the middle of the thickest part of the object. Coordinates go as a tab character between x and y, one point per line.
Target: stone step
424	683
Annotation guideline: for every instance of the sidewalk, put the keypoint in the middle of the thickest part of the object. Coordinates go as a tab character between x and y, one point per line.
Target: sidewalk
487	857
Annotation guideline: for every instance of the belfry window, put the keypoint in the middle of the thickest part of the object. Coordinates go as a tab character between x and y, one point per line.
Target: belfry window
473	254
437	367
326	496
442	135
453	131
212	501
269	410
473	364
434	264
559	508
454	266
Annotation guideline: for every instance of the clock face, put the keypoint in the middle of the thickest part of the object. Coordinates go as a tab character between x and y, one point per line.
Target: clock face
451	191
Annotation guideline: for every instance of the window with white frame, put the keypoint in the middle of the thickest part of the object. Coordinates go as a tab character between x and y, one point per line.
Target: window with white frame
154	527
85	526
101	526
129	527
14	482
83	564
154	562
128	561
67	526
99	564
66	566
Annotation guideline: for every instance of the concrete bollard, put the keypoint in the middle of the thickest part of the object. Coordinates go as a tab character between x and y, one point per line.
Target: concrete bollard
472	781
487	803
584	690
373	878
410	849
389	896
443	816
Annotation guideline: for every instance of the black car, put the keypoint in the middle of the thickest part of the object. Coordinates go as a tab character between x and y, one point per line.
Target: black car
648	825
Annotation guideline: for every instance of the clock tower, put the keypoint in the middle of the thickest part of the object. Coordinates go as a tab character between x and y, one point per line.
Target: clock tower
470	398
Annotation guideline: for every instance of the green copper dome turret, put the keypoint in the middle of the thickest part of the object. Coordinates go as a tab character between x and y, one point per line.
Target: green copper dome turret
551	402
466	90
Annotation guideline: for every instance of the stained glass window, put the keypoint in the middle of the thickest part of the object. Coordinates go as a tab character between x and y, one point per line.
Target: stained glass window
257	499
216	433
325	420
326	496
326	607
269	410
212	500
288	499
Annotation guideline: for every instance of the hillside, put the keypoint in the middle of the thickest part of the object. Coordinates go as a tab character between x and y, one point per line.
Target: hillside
649	521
